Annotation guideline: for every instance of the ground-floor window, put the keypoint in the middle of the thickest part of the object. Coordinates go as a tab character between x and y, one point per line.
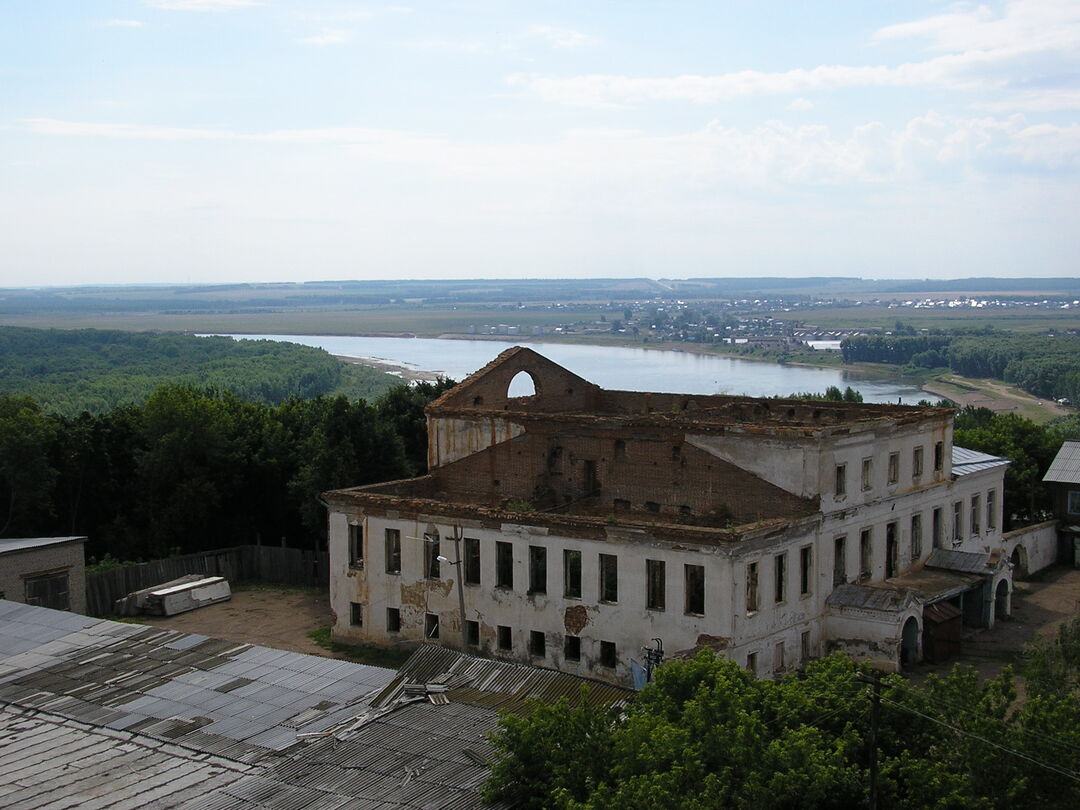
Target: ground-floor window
356	614
431	625
393	620
608	657
48	590
572	648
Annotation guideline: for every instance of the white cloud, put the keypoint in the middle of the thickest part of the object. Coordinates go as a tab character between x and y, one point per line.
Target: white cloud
328	36
800	104
557	37
123	24
200	5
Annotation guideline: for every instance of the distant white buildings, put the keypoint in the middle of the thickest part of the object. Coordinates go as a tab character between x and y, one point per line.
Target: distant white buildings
573	527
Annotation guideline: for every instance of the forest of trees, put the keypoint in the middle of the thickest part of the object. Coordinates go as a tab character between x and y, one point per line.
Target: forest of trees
1046	366
193	469
706	733
95	370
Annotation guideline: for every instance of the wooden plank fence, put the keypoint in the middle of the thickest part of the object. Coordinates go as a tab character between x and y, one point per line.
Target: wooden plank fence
269	564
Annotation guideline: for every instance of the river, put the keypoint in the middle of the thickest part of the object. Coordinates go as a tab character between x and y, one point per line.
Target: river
616	367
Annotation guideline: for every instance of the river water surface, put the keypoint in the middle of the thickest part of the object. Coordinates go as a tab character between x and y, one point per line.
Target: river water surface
616	367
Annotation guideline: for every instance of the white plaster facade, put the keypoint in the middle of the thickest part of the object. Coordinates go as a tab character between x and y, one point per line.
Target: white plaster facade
396	599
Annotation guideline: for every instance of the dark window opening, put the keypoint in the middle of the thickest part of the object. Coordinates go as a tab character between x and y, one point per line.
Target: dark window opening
939	456
393	551
620	449
916	462
393	620
890	550
652	506
839	561
572	648
356	614
608	657
572	574
621	505
916	536
751	587
431	625
609	578
537	569
472	561
504	565
590	484
841	479
537	644
866	538
655	584
937	528
806	560
49	591
472	633
780	572
431	555
356	545
503	638
695	589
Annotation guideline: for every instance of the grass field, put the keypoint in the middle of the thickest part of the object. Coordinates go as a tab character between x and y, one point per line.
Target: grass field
864	317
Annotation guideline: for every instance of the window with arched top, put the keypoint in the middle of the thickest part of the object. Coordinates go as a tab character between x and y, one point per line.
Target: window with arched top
522	385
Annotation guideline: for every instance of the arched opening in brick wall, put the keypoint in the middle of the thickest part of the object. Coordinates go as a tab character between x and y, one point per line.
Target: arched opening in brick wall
522	385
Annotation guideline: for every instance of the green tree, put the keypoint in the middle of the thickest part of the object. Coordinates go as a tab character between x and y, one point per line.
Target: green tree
26	475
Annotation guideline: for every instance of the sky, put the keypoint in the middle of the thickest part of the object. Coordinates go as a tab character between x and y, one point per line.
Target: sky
194	141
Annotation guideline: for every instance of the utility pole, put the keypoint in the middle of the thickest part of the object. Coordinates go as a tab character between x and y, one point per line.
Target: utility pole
874	679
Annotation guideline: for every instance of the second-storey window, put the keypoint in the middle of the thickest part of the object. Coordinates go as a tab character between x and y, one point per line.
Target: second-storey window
841	479
867	473
751	587
695	589
431	555
894	467
537	569
916	536
392	541
472	561
780	576
356	545
916	462
976	513
806	565
572	574
609	578
655	584
504	564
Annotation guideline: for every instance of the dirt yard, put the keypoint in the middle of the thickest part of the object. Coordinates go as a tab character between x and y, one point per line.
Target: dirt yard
268	616
1039	605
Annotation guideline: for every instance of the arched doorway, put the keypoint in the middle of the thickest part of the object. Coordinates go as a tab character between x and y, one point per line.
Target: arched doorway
1019	562
1001	601
909	642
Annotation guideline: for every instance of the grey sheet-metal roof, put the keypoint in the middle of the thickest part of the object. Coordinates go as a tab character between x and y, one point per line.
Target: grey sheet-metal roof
867	597
11	545
1065	468
965	461
104	714
970	562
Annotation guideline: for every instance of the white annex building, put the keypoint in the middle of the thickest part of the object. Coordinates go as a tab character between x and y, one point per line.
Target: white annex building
573	527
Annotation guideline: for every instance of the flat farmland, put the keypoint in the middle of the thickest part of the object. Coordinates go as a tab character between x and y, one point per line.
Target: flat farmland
1019	319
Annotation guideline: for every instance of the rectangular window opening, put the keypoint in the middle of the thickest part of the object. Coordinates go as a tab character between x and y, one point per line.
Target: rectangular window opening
472	561
891	553
503	637
976	514
916	536
991	509
939	456
356	545
695	589
356	614
866	540
537	569
958	521
431	555
937	528
609	578
393	620
504	564
572	648
537	644
472	633
655	584
867	473
431	626
392	541
916	463
894	467
841	479
780	575
751	587
572	574
608	656
806	564
839	561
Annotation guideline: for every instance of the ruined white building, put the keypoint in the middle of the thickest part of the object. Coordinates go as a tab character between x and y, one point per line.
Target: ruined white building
574	526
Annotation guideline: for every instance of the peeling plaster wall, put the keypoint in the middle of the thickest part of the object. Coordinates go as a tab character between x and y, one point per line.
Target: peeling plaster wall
453	439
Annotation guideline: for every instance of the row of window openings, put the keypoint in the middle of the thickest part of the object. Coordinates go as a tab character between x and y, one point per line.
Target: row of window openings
503	635
779	659
894	468
780	578
655	570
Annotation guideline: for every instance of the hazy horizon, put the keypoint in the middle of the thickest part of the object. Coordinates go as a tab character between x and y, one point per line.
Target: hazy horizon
262	141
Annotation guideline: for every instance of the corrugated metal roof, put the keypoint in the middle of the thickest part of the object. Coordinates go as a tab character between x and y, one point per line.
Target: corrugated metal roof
1065	468
965	461
10	545
867	597
117	715
971	562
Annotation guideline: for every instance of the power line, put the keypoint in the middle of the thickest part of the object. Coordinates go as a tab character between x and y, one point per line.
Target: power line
1068	774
